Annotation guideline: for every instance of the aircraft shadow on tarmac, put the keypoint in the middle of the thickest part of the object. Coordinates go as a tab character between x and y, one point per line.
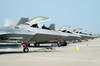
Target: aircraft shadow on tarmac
20	52
14	52
10	53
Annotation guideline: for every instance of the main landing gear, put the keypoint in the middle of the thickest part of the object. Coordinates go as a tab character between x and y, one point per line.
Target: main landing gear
62	44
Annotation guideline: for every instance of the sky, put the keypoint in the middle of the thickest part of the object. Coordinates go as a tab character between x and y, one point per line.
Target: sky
83	14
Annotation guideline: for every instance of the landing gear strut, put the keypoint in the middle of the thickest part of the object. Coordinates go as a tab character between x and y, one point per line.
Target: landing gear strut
86	39
58	44
25	47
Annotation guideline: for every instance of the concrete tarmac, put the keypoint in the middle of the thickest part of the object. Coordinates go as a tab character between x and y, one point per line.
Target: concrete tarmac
63	56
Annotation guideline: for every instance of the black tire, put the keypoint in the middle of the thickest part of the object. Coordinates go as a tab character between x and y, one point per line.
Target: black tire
79	40
36	45
25	50
65	43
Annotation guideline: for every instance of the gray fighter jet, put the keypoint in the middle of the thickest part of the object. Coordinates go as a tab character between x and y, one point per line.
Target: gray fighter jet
74	36
84	35
27	31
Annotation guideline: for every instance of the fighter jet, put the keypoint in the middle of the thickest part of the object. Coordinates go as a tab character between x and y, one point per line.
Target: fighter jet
84	35
73	35
27	31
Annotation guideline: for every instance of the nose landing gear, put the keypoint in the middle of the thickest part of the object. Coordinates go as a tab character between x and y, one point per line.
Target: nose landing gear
25	47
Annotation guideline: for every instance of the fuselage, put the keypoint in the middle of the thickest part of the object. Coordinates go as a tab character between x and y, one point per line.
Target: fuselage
31	34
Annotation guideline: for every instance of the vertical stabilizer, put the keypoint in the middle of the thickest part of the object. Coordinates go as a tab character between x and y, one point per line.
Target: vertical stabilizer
52	26
22	21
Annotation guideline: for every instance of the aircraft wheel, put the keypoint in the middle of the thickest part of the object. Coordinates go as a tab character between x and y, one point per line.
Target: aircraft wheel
36	45
25	50
79	40
65	43
86	39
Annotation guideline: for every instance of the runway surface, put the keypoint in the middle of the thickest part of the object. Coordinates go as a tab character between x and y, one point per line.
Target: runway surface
63	56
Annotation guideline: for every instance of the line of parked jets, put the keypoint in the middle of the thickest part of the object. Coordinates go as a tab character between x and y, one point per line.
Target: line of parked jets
28	32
